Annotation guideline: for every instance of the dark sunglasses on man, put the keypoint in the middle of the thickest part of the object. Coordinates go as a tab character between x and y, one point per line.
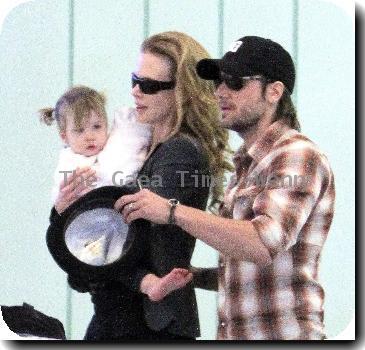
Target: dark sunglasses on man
151	86
236	83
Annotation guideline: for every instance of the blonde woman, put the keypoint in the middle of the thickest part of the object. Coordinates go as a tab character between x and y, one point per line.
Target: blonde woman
188	146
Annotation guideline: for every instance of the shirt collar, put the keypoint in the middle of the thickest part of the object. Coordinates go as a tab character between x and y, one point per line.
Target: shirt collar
262	146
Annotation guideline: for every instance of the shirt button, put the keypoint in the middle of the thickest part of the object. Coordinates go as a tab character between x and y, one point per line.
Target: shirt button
222	264
223	324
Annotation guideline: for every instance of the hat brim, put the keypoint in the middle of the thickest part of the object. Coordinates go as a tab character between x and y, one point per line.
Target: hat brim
208	68
103	197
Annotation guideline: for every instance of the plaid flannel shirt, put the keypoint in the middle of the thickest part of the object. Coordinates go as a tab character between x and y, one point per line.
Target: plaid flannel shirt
284	185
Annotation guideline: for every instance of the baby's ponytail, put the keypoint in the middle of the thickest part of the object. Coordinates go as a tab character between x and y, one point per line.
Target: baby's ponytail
46	115
102	97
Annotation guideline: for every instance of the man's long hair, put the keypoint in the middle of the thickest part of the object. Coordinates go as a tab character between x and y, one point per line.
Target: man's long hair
287	112
285	109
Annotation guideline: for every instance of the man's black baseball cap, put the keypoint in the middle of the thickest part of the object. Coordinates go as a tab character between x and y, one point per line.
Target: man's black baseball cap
252	55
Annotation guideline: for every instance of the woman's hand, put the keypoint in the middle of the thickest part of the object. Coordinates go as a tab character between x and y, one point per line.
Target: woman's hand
143	205
79	183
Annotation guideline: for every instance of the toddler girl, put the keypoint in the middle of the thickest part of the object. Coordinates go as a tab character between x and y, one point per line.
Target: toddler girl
83	127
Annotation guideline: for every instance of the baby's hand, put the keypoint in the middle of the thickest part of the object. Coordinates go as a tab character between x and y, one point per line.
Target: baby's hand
75	187
176	279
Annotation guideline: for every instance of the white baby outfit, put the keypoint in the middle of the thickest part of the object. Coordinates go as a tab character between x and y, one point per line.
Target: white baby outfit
120	160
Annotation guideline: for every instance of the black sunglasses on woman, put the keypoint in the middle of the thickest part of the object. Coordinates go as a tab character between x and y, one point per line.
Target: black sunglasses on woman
151	86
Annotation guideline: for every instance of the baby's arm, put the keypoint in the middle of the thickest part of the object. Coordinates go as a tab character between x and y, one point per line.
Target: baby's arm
158	288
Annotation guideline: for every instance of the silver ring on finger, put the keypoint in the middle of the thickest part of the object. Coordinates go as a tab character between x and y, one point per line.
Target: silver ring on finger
131	206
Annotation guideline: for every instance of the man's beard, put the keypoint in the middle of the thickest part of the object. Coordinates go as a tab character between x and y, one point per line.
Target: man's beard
244	124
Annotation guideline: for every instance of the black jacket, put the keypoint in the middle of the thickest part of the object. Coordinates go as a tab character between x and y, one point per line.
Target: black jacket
176	169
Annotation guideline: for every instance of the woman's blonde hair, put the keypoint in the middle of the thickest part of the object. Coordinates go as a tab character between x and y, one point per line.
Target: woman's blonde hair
197	111
78	101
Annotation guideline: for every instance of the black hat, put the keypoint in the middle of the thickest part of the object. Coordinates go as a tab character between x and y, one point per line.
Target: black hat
252	55
90	239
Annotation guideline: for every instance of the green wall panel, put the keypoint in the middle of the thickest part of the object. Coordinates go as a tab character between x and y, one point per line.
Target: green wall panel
34	65
196	18
326	107
107	36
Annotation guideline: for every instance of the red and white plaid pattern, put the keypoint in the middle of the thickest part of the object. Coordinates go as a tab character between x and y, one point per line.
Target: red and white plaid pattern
285	187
